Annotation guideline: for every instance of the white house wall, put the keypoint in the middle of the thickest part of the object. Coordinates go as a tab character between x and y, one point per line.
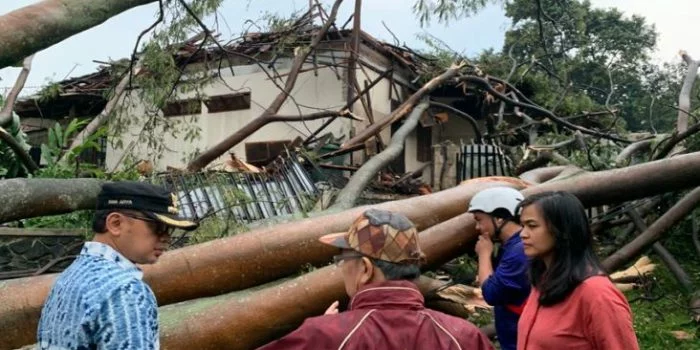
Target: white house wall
322	91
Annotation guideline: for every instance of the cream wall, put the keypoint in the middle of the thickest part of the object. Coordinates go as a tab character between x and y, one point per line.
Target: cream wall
320	89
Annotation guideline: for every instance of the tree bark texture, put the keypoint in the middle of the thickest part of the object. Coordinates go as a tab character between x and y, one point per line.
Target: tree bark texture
28	198
33	28
266	254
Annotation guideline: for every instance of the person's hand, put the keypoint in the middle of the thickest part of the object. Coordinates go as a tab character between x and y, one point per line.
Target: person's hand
484	246
333	309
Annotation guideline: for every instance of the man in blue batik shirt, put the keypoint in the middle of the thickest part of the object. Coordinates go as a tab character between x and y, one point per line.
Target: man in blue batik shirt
100	300
505	284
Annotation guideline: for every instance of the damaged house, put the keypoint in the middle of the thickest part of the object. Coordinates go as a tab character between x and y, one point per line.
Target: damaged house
241	90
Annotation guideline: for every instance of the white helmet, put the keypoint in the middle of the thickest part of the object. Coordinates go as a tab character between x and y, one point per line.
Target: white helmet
494	198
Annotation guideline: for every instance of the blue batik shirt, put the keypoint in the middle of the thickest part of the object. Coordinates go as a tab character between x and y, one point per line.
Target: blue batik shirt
99	302
507	289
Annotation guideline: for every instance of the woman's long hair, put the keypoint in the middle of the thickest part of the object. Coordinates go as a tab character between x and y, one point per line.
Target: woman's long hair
573	259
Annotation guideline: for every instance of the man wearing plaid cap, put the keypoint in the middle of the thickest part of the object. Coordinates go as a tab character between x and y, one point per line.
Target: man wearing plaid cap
379	260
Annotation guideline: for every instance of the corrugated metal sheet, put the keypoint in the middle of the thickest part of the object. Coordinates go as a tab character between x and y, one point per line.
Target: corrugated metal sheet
285	188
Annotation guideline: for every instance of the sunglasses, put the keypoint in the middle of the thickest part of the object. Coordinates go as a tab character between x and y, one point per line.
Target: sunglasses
160	228
338	259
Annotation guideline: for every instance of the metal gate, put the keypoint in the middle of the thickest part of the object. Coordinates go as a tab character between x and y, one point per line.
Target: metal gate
479	160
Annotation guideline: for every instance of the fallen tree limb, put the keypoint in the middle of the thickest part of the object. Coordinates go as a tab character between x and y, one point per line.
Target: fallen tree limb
404	108
670	142
477	133
202	160
540	175
632	149
251	318
263	255
358	182
547	113
272	312
33	28
6	121
28	198
9	103
679	211
668	259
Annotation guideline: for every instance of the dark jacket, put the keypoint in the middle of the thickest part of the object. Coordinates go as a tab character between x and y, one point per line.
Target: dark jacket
384	316
507	290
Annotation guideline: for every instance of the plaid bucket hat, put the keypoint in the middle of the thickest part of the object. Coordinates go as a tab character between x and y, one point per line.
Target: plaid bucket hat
382	235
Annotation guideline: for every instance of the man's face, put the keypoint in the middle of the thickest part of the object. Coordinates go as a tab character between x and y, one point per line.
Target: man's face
484	224
140	239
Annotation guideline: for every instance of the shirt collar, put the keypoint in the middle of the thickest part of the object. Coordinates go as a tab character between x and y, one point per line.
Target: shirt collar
388	295
101	250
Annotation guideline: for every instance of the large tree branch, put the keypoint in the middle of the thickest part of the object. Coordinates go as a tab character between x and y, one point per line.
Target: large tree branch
313	116
670	142
654	232
6	118
28	198
548	114
104	116
404	108
33	28
477	133
362	177
632	149
208	156
263	255
6	112
347	106
663	253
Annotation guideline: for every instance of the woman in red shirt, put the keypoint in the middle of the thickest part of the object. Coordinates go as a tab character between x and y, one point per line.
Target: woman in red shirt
573	304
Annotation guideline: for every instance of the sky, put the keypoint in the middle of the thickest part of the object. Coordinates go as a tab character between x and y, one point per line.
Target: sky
677	25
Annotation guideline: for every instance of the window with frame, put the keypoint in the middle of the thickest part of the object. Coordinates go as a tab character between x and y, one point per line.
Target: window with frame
228	102
182	107
262	153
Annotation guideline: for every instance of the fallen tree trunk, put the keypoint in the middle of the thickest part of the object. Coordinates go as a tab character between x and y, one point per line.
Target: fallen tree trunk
264	255
35	27
228	322
272	312
348	195
28	198
234	263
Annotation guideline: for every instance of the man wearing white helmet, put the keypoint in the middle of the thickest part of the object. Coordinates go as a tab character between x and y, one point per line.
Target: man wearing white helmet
504	280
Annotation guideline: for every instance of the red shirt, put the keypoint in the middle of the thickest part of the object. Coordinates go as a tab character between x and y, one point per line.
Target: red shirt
595	315
385	316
